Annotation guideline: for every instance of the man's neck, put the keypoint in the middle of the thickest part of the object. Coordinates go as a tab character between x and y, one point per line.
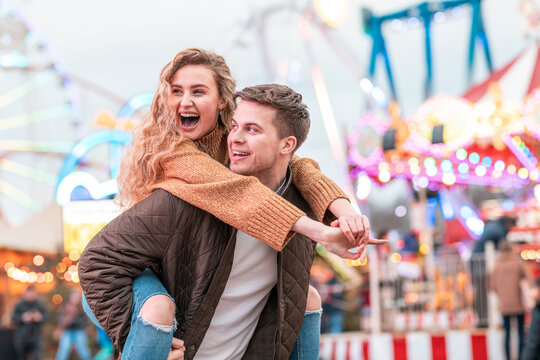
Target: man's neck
275	179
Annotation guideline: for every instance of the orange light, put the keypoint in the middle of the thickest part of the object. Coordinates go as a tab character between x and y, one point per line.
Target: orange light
10	271
40	278
49	278
8	266
61	267
67	261
74	255
411	297
356	262
38	260
423	249
32	277
57	299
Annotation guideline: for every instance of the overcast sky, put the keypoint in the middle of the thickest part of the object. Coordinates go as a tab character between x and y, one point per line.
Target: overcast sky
121	46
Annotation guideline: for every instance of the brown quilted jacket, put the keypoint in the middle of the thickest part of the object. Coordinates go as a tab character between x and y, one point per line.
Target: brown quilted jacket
191	251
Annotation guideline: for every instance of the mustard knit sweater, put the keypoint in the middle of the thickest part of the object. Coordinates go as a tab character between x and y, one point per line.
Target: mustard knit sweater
203	180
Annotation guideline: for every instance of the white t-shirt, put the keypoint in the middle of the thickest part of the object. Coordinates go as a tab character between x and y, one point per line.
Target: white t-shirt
253	275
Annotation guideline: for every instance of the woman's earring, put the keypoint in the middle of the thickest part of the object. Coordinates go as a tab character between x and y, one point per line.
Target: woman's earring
220	112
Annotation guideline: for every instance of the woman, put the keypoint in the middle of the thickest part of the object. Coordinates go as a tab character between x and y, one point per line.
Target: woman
182	149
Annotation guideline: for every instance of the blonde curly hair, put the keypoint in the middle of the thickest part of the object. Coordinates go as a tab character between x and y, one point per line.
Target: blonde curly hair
159	133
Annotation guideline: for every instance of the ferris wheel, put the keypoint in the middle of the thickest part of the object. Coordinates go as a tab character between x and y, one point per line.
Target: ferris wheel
40	119
311	34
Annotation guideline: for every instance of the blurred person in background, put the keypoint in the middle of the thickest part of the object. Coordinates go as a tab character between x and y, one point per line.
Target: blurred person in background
532	344
72	322
333	303
494	231
504	280
2	309
28	316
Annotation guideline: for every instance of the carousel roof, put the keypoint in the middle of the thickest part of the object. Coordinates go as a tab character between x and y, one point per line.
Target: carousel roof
494	141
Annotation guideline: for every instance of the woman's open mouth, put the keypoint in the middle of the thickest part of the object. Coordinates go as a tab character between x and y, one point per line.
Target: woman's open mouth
189	121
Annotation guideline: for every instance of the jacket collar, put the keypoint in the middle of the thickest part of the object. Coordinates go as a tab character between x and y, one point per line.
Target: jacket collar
286	182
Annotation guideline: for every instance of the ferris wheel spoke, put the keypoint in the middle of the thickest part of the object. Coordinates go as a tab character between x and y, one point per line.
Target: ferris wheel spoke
27	172
41	119
36	116
35	146
23	89
19	196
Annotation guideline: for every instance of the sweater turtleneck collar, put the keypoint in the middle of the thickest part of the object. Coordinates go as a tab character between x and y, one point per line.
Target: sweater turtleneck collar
215	144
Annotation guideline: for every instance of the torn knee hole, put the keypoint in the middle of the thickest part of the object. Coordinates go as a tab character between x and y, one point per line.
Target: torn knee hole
159	327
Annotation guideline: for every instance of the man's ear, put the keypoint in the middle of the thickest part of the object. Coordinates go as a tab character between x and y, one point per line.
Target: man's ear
288	145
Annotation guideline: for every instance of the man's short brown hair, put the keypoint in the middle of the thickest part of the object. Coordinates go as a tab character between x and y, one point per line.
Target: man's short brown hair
292	117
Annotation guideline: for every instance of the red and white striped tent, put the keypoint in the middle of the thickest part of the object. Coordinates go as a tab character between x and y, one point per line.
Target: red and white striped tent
517	78
450	345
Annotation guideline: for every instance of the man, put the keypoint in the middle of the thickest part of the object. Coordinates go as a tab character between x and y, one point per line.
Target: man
28	316
494	231
532	343
235	297
505	280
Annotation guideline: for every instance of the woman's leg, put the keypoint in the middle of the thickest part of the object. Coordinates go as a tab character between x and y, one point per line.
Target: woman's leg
152	320
308	341
89	312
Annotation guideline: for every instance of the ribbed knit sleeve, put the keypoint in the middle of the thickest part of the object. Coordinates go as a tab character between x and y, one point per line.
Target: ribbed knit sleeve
318	190
240	201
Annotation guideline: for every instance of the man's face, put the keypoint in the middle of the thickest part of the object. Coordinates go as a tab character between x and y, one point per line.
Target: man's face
30	295
254	144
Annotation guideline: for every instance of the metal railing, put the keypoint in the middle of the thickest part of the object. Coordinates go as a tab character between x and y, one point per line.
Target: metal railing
406	297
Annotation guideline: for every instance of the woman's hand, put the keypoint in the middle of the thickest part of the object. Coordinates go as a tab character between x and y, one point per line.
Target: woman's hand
177	350
332	238
355	227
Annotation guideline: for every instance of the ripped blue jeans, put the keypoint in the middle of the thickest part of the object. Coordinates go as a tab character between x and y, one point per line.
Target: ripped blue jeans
150	341
308	341
145	340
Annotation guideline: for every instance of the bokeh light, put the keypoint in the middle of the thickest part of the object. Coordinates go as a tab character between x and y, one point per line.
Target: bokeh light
38	260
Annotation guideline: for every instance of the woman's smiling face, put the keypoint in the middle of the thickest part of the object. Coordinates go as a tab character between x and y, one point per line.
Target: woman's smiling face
195	100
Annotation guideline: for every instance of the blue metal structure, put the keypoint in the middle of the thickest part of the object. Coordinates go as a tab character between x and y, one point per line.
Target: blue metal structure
424	12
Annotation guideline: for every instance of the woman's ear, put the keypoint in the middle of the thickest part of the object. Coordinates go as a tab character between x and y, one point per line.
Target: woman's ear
221	105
